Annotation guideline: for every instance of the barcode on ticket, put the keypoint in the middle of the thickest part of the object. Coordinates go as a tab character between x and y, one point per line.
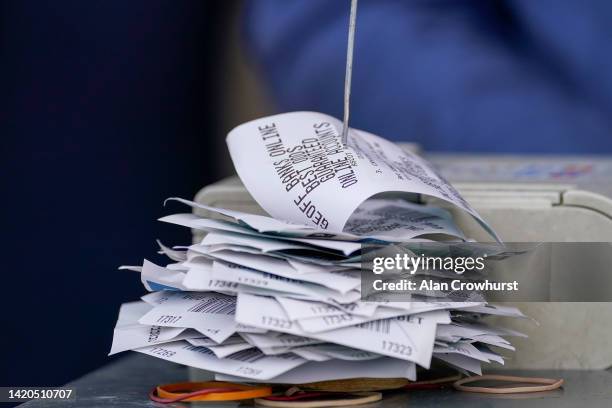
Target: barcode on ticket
378	326
198	349
246	356
215	305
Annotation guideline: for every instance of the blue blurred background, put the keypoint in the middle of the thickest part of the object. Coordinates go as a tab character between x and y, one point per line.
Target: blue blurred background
108	107
517	76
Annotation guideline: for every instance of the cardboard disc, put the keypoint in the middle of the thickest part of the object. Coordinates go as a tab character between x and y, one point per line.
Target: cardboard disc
350	399
356	384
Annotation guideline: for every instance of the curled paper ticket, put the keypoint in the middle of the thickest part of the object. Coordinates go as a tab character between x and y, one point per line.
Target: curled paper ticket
296	168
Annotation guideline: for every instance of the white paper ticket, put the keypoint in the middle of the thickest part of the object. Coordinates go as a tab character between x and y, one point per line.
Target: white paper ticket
297	169
128	334
208	312
406	337
338	369
247	363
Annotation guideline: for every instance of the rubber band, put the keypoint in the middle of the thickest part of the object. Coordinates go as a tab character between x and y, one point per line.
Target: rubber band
206	391
548	384
296	398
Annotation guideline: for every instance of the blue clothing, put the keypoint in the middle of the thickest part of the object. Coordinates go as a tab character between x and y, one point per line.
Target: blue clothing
488	76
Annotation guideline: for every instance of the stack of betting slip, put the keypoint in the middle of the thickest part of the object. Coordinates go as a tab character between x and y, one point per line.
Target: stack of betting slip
279	298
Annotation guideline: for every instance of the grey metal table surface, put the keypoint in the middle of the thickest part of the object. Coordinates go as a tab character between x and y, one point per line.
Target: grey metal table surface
126	383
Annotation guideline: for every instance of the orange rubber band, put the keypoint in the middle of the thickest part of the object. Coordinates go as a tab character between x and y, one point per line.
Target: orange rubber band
207	391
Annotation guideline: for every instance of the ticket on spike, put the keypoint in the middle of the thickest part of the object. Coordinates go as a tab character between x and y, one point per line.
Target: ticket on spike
296	167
